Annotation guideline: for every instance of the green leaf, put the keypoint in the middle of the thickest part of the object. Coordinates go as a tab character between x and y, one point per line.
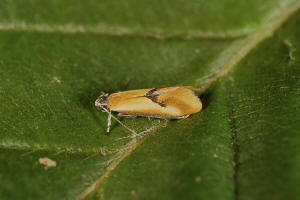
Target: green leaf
56	57
167	18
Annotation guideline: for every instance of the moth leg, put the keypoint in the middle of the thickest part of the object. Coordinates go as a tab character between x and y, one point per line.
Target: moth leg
112	116
182	117
126	115
108	122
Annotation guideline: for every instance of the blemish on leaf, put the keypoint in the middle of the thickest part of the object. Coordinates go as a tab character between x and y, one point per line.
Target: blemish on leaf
291	49
47	162
133	192
233	164
197	179
55	80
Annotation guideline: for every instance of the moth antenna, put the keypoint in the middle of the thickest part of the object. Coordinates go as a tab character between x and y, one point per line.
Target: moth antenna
103	94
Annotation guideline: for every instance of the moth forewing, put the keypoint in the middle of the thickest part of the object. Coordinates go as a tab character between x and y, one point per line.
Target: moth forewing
166	103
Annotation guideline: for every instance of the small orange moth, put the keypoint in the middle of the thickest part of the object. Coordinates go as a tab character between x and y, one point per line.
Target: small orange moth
165	103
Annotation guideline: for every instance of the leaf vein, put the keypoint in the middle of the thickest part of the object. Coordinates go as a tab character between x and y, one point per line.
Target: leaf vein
101	29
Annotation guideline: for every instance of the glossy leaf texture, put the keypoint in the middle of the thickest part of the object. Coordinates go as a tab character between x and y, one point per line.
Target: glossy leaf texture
57	57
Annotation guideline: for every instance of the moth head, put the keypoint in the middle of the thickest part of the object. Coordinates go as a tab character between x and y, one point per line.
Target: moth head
101	102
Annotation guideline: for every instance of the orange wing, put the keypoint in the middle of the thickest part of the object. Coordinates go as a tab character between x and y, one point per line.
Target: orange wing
168	102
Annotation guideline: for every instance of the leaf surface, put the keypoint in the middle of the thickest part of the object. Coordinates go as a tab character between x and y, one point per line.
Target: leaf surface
57	56
226	18
243	145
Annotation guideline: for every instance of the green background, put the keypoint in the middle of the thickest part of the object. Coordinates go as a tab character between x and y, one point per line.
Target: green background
57	56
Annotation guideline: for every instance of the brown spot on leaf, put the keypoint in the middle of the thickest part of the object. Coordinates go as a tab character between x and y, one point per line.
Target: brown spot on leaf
233	164
133	192
197	179
47	162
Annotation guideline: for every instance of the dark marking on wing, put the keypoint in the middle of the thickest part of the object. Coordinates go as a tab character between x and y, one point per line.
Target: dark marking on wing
152	95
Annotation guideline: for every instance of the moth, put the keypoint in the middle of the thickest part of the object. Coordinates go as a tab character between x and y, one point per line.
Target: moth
166	103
